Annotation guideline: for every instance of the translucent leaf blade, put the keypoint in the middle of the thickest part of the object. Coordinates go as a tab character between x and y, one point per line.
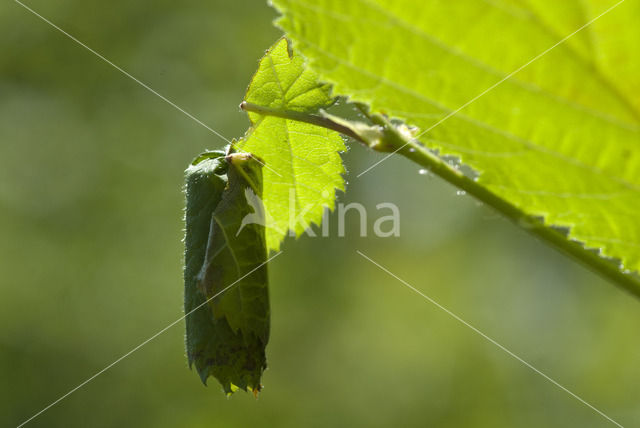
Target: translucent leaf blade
559	139
303	167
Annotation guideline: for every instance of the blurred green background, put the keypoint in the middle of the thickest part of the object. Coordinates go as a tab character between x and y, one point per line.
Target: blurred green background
91	170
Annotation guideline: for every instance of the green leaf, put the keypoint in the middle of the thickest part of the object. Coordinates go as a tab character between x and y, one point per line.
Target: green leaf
559	139
303	168
226	283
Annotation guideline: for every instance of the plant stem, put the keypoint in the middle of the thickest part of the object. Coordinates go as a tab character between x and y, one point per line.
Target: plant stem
395	142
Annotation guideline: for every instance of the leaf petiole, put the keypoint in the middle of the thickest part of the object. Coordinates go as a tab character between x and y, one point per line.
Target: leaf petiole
324	121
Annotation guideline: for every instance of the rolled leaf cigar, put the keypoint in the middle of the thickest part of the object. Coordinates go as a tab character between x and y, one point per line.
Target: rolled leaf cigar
226	282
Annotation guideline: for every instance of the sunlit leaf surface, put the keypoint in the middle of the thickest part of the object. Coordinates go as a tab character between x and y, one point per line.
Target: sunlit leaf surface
302	165
559	139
